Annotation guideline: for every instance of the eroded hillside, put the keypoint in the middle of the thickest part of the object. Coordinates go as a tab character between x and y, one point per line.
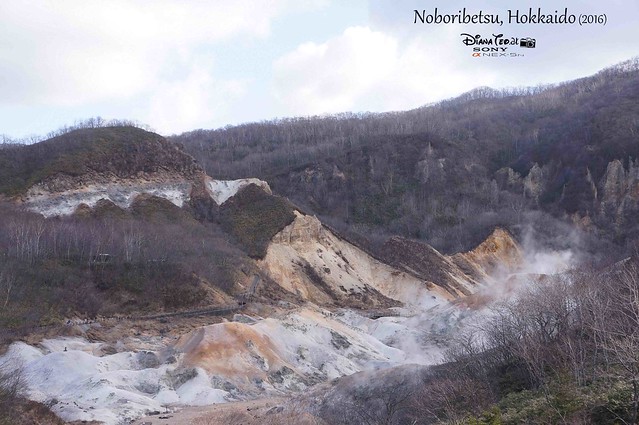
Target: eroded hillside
115	226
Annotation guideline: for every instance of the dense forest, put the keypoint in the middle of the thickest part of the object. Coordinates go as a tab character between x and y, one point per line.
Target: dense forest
448	173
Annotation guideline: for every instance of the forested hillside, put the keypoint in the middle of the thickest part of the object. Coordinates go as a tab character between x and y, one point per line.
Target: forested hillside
448	173
125	249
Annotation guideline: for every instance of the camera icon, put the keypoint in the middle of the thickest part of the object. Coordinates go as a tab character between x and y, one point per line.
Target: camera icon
528	43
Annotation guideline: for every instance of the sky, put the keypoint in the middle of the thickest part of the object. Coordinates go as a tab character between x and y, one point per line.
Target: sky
181	65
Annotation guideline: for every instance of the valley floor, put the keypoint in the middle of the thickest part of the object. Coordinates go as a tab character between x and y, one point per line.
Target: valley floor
270	363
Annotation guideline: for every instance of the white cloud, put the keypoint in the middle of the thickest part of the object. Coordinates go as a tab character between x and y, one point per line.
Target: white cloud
364	69
330	77
72	52
192	102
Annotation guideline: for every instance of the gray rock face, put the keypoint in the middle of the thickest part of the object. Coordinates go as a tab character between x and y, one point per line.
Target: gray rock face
619	193
303	229
147	359
121	192
509	179
535	182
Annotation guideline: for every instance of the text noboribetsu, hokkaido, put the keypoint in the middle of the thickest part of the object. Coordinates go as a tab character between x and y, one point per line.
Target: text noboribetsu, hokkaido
514	17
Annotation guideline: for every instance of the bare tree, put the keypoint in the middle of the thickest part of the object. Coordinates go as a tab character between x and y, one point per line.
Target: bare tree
7	283
26	236
12	386
615	321
133	242
450	399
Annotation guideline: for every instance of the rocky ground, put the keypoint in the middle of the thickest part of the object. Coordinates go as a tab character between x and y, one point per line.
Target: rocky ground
253	412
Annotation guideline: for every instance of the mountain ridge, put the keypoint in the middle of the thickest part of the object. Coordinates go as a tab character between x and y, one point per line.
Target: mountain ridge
162	189
458	167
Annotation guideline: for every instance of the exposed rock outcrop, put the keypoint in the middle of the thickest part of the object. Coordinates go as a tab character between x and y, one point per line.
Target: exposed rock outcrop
459	274
307	259
535	182
222	190
120	191
509	179
499	254
619	193
114	164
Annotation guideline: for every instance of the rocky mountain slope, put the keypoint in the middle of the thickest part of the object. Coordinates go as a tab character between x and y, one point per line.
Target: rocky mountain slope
320	266
295	250
99	238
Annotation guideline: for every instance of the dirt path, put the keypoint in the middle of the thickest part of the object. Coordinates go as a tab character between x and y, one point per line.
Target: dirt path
9	335
255	412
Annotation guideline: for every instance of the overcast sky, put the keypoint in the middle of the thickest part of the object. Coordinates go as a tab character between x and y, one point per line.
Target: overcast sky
179	65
